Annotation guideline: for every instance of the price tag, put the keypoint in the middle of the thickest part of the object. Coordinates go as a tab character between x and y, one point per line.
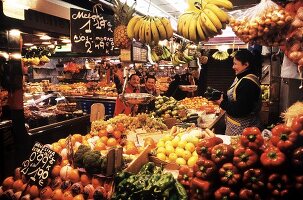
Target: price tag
92	32
38	166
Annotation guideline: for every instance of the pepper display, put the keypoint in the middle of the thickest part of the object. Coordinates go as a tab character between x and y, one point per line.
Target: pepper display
200	189
222	153
254	179
244	158
204	168
251	137
297	158
205	146
297	125
283	137
229	174
247	194
185	175
224	193
279	185
272	158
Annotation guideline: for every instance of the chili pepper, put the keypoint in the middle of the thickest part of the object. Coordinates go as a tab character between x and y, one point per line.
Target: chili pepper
204	168
200	189
283	137
204	146
185	175
225	193
247	194
182	194
229	174
278	185
244	158
297	124
297	158
253	179
272	158
222	153
251	137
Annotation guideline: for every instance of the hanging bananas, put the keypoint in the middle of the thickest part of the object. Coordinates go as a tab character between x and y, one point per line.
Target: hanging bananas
160	53
220	55
149	30
181	55
203	19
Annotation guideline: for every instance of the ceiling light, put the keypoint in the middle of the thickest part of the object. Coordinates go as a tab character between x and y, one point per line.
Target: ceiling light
28	44
14	32
45	37
4	55
223	47
65	40
46	43
16	56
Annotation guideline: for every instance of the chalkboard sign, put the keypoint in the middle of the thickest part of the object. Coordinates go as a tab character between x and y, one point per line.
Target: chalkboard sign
38	166
139	52
91	32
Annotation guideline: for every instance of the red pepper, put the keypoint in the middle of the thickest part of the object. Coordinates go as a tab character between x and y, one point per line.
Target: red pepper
225	193
253	179
185	175
229	174
247	194
297	158
222	153
244	158
283	137
251	137
278	185
297	124
204	168
272	158
200	189
204	146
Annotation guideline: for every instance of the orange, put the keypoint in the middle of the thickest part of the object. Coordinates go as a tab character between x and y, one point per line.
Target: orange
68	195
56	170
130	143
57	147
62	142
96	182
85	180
74	175
117	134
100	146
8	183
64	163
46	193
17	186
102	132
57	194
34	191
111	142
120	127
131	150
78	197
77	137
149	141
104	139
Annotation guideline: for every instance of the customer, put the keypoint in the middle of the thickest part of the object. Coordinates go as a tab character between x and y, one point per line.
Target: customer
243	100
174	89
150	88
132	87
118	77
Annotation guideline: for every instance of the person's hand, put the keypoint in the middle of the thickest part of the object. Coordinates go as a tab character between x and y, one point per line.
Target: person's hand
219	100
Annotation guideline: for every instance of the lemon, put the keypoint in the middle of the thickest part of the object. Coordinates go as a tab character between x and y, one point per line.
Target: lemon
180	161
195	140
186	155
195	154
172	157
161	150
182	144
161	144
190	147
167	138
179	151
169	150
175	141
161	156
168	143
192	161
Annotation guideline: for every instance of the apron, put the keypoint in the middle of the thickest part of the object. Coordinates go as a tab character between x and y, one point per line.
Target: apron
121	107
235	126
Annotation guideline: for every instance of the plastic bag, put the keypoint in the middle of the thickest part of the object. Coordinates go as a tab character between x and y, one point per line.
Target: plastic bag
264	24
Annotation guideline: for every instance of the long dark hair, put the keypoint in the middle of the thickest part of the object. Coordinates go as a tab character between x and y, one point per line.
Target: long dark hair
254	60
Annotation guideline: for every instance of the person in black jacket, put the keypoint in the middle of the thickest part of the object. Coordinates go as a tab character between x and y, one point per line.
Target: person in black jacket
242	102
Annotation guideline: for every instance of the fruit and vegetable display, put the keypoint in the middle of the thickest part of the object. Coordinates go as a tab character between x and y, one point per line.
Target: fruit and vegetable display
36	56
149	29
265	92
150	182
123	13
203	19
256	168
200	104
264	24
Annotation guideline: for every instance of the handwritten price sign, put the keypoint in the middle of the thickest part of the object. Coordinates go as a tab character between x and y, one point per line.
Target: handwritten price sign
39	165
92	32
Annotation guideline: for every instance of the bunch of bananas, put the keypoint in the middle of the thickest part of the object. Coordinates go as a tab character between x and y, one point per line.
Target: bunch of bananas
149	30
203	19
166	54
181	54
220	55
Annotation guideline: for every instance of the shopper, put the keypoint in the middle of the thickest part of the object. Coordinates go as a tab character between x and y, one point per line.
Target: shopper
118	77
132	87
149	87
243	100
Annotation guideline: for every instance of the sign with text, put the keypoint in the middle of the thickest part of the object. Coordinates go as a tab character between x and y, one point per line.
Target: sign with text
139	52
91	32
38	166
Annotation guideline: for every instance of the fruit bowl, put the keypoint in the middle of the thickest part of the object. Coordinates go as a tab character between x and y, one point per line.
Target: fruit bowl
188	88
137	98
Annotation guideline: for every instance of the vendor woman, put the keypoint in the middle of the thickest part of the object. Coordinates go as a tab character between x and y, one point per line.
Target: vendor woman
132	87
243	100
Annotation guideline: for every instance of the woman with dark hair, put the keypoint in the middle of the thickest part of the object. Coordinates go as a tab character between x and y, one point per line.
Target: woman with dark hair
242	102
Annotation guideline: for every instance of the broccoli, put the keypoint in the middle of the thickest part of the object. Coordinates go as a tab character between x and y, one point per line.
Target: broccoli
78	157
92	162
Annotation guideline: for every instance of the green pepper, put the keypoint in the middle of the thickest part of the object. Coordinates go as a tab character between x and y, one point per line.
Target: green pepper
120	176
164	182
182	194
147	168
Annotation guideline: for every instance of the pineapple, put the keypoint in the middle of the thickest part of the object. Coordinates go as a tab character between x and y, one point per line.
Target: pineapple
123	13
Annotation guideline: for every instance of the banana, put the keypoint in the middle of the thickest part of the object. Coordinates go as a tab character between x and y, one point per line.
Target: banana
154	31
185	26
221	3
147	31
192	30
137	28
209	25
142	31
201	35
161	28
181	21
174	62
187	57
213	18
223	16
153	53
131	25
167	25
179	59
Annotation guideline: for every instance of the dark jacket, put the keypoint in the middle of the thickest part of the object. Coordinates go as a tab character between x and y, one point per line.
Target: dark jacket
147	108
